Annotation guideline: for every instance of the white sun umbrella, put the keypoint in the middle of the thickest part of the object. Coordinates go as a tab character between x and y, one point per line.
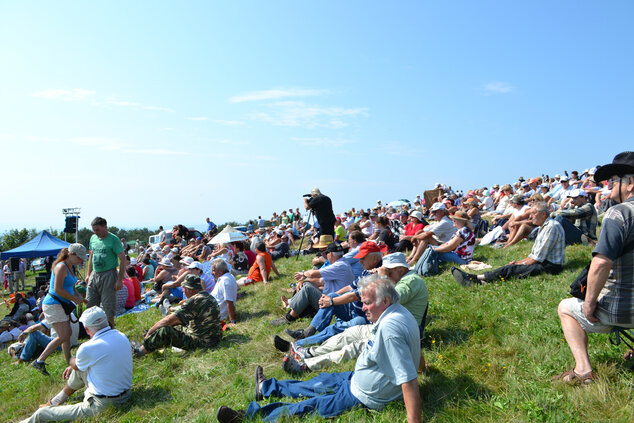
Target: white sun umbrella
228	234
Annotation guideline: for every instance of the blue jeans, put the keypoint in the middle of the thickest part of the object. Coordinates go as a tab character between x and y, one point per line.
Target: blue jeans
327	395
337	327
572	233
324	315
34	340
427	264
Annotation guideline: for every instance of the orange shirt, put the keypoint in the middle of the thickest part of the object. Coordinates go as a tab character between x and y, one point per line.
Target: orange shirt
254	271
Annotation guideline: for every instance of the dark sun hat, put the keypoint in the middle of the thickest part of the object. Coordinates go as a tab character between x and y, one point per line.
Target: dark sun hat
623	164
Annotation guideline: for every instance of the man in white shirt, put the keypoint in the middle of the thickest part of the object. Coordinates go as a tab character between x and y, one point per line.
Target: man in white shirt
226	290
439	232
103	365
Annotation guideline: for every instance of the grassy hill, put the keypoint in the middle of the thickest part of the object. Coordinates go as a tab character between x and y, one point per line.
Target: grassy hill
491	352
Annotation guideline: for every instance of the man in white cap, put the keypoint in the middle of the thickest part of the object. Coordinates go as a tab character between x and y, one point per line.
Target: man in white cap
439	232
103	365
578	218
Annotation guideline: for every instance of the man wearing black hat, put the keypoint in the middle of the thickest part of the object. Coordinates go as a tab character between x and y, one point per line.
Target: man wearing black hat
321	205
609	298
311	284
195	324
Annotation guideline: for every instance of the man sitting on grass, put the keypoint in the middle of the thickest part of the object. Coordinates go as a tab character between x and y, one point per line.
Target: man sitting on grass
311	284
547	255
386	370
414	296
103	365
194	324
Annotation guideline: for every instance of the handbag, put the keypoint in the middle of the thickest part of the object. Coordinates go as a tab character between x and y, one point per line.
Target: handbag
68	306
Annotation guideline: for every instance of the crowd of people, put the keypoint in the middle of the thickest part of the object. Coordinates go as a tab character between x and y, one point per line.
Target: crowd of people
364	293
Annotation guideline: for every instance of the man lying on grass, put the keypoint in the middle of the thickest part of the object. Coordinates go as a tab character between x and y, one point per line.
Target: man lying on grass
385	371
547	255
194	324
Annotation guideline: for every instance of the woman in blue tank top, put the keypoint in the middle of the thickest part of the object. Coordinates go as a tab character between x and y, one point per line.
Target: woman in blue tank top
61	290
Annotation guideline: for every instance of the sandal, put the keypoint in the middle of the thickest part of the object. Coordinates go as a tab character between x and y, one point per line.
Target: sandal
574	378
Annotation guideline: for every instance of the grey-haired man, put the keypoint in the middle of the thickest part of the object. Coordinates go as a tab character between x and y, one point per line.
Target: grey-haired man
103	365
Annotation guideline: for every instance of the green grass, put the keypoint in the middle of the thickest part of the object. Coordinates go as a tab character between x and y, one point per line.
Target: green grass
491	352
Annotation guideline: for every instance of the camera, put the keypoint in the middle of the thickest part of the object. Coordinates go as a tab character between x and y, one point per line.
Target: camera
307	195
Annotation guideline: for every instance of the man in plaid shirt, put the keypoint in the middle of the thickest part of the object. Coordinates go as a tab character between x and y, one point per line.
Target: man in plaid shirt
609	299
547	255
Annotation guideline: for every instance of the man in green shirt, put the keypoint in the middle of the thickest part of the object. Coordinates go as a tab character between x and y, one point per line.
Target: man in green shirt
106	253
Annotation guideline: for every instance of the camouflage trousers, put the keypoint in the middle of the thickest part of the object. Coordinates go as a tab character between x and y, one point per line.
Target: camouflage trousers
169	336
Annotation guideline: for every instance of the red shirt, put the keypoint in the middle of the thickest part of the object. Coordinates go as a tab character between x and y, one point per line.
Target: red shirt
412	228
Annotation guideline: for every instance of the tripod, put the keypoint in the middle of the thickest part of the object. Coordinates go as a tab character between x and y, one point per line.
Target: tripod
310	213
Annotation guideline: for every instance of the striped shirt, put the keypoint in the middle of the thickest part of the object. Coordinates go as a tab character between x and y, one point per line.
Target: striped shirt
208	282
550	244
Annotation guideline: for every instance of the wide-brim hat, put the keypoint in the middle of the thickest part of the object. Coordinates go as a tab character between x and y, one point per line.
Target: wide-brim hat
324	240
460	215
622	164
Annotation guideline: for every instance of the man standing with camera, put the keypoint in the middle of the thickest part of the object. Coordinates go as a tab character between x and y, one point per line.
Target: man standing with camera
322	207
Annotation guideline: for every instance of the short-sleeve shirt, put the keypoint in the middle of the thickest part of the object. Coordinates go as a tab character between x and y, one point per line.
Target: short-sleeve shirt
412	228
336	276
107	360
201	319
390	358
322	206
355	264
105	252
443	230
226	289
414	294
617	296
550	244
466	247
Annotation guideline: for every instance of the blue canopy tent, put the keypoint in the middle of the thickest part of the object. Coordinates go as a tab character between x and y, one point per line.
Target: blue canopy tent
44	244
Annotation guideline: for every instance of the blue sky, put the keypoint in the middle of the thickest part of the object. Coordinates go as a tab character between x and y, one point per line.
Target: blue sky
153	113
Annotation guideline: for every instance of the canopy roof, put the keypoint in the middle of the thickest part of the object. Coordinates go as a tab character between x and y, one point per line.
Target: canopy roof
227	235
44	244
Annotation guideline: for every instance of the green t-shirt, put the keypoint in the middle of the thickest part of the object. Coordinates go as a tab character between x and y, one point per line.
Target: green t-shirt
414	294
105	252
340	231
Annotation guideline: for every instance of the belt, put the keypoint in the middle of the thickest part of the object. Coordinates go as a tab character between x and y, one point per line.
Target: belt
112	396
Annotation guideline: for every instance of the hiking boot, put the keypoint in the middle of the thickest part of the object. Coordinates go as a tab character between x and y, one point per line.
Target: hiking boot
295	334
259	378
285	319
299	353
292	366
464	278
229	415
281	344
40	367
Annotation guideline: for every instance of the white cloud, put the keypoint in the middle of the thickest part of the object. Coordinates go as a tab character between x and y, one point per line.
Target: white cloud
122	103
275	94
100	143
157	108
297	113
113	144
497	87
229	122
156	151
323	142
198	118
65	95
